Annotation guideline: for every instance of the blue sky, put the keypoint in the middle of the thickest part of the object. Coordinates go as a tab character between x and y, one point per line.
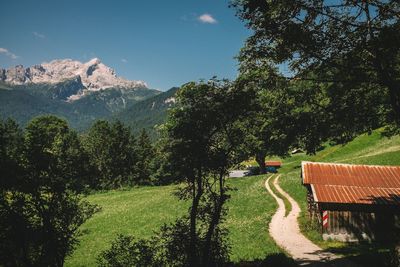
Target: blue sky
165	43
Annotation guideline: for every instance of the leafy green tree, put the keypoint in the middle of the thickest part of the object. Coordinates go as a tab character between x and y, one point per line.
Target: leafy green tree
96	144
122	155
12	174
283	114
51	147
11	151
111	148
162	170
204	141
41	214
145	154
352	46
258	125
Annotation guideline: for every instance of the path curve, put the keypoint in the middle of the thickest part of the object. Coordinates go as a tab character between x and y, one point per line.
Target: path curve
286	233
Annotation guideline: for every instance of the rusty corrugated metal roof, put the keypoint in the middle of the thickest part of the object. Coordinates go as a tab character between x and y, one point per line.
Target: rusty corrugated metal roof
346	183
356	195
273	163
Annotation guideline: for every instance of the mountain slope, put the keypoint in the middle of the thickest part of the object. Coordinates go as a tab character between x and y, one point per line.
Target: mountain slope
23	102
22	106
59	91
113	99
148	113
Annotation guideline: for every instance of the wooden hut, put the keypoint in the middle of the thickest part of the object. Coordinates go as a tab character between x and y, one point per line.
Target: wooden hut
353	202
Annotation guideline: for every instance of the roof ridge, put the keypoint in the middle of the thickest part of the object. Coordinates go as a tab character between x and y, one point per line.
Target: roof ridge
348	164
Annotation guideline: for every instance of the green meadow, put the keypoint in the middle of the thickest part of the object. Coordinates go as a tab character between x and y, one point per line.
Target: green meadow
141	211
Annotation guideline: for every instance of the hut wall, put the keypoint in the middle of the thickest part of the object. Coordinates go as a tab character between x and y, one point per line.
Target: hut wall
351	226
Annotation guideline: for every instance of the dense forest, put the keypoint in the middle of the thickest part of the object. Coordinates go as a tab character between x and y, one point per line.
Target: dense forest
344	58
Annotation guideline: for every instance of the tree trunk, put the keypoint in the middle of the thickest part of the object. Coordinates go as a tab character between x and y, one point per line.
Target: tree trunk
260	158
197	193
216	218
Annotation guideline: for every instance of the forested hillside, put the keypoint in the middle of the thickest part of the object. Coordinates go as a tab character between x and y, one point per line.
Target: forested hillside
24	102
149	113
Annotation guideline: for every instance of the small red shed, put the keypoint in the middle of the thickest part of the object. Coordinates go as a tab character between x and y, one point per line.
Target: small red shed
276	164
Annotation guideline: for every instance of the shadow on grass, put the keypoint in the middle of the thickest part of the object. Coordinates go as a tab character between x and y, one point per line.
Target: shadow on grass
366	254
357	255
272	260
282	260
342	262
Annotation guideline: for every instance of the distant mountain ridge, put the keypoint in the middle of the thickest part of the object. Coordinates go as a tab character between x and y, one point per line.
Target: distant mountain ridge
24	102
81	93
93	76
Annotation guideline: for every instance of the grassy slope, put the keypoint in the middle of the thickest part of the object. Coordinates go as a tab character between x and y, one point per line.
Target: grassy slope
138	211
365	149
141	211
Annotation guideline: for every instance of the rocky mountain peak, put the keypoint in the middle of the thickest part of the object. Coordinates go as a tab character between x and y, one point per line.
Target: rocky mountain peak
93	74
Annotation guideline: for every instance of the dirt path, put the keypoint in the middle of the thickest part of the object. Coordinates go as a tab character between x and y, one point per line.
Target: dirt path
286	233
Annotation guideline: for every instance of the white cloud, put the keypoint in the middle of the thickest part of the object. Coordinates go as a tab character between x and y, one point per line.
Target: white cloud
207	18
39	35
123	60
8	53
